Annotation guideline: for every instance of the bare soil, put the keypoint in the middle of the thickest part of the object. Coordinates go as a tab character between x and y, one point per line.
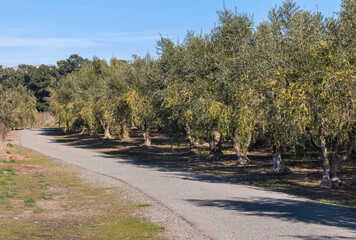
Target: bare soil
41	198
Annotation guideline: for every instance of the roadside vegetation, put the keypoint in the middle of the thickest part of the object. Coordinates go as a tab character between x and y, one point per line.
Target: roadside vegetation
42	199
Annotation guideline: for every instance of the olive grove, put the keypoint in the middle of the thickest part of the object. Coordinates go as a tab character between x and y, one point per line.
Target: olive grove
289	81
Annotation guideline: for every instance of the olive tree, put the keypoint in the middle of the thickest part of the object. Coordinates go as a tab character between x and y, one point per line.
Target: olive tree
141	96
17	110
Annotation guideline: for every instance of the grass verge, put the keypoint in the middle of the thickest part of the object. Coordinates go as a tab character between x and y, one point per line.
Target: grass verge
42	199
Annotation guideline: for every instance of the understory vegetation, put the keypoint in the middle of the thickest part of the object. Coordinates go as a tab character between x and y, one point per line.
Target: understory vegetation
287	84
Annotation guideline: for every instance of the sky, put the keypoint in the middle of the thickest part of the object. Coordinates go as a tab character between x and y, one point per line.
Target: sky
45	31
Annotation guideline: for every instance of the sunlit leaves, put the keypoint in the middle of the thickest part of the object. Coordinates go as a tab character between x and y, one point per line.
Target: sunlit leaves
17	107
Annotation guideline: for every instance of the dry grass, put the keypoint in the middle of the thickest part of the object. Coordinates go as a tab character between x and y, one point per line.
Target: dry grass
43	199
45	119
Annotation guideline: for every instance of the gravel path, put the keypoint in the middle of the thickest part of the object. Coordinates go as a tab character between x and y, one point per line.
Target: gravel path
195	206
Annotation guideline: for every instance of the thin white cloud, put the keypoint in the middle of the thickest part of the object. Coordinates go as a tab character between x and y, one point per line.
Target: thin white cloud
136	38
121	34
124	37
34	49
46	42
18	31
71	42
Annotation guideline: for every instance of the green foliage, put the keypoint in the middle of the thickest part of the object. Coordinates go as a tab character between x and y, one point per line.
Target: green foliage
141	95
17	110
39	80
30	202
7	170
46	196
71	64
38	210
292	75
92	98
17	107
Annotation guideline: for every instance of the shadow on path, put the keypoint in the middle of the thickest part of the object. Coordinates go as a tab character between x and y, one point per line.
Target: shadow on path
177	173
289	210
318	237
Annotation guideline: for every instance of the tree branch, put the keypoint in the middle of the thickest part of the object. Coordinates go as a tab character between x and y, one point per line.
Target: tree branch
318	148
350	149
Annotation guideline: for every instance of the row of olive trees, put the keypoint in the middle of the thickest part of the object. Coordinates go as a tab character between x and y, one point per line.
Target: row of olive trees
107	97
25	90
17	110
292	78
289	80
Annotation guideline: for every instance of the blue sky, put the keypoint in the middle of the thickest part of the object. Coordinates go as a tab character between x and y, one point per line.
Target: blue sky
45	31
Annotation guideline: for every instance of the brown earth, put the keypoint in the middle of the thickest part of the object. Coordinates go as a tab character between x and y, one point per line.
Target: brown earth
23	168
44	199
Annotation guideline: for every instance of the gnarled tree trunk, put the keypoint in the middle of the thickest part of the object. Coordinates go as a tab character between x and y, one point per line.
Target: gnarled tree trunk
2	137
107	134
188	130
323	150
241	153
146	136
277	159
278	166
67	124
215	146
106	128
83	131
335	180
337	158
125	132
325	181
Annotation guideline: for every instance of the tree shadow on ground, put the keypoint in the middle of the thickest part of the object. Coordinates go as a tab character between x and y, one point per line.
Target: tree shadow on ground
287	209
317	237
189	176
306	171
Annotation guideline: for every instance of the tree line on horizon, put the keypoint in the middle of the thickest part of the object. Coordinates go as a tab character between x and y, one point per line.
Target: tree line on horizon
289	81
24	91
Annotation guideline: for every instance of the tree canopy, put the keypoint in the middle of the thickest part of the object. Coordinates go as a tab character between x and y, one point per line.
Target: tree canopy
288	81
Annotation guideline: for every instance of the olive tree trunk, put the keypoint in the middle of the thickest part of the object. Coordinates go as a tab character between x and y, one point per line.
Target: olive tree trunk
276	156
192	143
2	149
215	146
278	166
323	150
125	132
241	152
338	158
3	131
106	128
146	136
83	131
325	180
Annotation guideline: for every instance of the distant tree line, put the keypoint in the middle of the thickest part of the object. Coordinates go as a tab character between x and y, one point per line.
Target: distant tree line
38	80
25	90
289	82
